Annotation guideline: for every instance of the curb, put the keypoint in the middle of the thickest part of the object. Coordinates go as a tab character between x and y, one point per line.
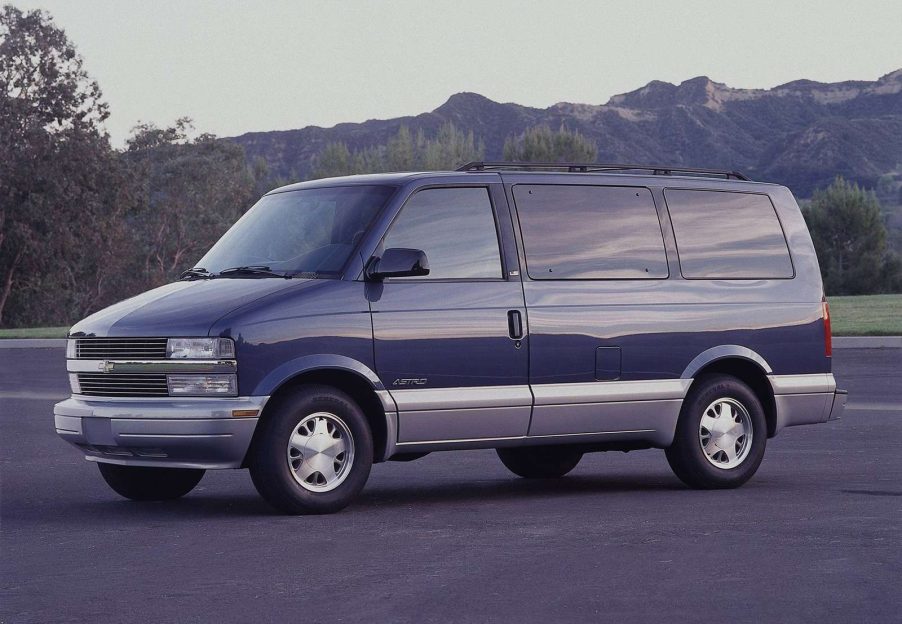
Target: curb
867	342
33	343
839	342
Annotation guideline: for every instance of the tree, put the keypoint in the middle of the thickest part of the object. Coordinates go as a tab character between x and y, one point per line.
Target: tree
190	191
55	161
335	160
401	151
542	144
850	238
449	149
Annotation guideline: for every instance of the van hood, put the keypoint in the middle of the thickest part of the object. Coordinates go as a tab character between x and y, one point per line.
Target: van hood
187	308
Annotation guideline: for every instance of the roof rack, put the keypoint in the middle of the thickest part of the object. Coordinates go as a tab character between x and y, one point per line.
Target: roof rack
478	165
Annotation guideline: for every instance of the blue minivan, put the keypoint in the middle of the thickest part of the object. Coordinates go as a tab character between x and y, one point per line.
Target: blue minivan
543	310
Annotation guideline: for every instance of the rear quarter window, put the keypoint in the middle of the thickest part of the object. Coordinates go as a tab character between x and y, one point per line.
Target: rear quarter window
590	232
728	235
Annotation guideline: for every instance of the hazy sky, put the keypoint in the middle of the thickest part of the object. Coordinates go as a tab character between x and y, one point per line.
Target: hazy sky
236	67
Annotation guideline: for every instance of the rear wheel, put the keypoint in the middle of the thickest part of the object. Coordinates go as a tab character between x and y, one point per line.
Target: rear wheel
150	484
540	462
721	434
313	453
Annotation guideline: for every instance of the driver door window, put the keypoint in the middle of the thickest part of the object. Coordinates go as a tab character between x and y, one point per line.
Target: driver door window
456	229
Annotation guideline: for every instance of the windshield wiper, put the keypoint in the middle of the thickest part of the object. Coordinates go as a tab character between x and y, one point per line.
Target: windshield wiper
254	269
196	273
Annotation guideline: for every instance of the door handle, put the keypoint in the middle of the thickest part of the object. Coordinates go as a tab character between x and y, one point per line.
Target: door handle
515	324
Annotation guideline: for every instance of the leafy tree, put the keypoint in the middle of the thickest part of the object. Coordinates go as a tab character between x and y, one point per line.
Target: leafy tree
449	149
850	238
891	276
889	186
55	167
335	160
542	144
401	152
190	191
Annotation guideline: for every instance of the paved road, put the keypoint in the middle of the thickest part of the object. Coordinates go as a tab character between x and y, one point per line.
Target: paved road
816	536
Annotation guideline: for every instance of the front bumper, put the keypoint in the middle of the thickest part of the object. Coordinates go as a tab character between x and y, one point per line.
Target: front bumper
165	432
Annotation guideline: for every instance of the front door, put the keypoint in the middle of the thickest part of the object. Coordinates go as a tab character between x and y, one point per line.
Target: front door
451	347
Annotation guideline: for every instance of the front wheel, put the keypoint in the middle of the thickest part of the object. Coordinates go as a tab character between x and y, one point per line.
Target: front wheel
150	484
540	462
720	436
313	452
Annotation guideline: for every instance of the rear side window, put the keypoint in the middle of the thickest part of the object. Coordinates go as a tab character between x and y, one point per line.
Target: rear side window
723	235
590	232
455	227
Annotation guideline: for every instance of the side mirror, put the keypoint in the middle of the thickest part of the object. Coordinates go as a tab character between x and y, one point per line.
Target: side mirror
398	262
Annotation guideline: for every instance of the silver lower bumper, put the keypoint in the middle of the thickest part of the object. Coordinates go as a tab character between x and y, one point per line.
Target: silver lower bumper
806	399
839	404
175	433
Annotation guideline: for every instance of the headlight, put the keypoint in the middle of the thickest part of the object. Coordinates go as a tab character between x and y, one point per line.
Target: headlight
202	385
200	348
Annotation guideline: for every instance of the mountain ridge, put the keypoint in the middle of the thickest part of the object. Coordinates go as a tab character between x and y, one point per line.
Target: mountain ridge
801	133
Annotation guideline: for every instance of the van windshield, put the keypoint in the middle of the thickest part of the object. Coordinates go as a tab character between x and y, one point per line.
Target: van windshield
309	231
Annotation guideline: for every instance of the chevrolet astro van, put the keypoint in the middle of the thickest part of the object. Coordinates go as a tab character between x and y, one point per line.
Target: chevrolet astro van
542	310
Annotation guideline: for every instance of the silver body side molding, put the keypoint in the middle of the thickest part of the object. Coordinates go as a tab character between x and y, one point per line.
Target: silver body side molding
610	391
635	411
423	399
462	413
802	384
488	416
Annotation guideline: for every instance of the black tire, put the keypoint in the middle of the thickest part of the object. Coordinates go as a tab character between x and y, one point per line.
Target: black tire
540	462
271	472
150	484
687	456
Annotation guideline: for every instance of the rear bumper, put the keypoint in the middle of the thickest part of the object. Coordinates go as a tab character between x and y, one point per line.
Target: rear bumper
839	404
806	399
175	433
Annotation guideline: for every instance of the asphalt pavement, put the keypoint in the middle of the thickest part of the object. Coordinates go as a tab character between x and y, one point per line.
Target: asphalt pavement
816	536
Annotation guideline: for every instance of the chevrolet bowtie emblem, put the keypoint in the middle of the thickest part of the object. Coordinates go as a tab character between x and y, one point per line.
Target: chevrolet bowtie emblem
107	367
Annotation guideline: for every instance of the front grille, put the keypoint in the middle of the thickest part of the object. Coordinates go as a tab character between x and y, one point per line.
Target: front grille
144	385
120	348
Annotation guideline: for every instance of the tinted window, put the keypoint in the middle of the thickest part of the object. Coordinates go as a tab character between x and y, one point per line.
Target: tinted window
590	232
724	235
309	230
456	229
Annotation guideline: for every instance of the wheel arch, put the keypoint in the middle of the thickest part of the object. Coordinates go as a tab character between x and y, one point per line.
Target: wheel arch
744	364
342	373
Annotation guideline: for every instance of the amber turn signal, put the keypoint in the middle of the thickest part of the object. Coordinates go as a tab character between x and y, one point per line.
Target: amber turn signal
245	413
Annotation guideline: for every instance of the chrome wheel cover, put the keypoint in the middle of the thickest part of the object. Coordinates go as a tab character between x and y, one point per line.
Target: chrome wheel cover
725	433
320	452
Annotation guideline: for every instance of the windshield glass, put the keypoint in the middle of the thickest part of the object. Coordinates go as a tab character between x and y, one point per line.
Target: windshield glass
305	231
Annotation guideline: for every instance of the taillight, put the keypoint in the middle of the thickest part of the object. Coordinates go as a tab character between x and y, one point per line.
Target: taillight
828	335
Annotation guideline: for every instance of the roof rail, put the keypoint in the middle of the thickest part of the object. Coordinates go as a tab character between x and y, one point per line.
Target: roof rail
478	165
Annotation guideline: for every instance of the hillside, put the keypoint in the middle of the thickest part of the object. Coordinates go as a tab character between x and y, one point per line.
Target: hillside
801	134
